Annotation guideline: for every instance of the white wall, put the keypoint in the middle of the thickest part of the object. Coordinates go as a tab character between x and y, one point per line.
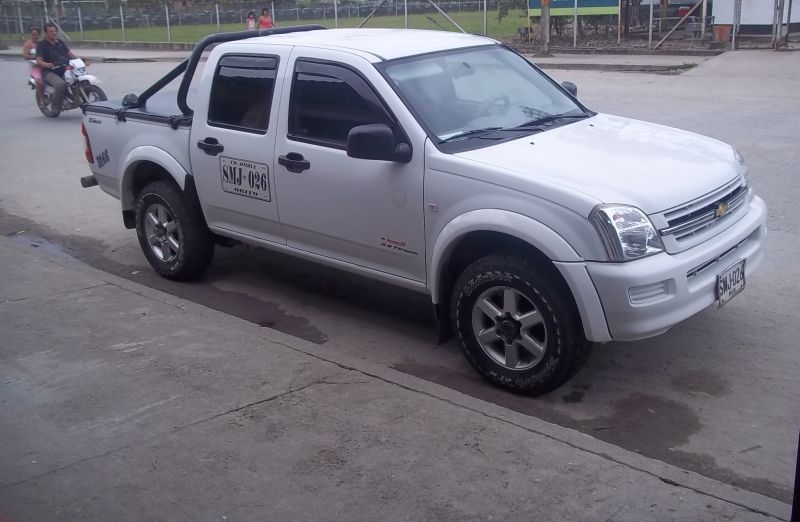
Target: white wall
754	12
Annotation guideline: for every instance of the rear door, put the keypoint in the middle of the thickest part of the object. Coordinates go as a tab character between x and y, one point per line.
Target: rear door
233	139
364	212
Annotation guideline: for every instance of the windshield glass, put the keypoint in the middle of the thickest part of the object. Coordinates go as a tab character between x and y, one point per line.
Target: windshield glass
459	94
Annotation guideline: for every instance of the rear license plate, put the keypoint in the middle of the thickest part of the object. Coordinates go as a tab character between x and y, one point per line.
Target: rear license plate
730	282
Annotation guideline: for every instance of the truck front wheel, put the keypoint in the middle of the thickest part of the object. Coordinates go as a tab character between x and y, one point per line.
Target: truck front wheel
516	325
172	233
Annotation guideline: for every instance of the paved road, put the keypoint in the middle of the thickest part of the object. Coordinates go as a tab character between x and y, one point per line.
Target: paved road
718	394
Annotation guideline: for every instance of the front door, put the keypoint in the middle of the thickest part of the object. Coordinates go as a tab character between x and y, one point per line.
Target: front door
232	144
364	212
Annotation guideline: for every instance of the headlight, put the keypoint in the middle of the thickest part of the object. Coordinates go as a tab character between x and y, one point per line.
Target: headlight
626	231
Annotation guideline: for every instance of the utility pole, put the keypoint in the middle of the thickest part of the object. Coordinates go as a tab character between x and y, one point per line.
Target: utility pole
545	27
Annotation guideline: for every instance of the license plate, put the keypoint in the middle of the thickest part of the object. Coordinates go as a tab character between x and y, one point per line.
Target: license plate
730	282
245	178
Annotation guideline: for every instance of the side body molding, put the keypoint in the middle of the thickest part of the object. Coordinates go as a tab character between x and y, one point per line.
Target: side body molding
154	155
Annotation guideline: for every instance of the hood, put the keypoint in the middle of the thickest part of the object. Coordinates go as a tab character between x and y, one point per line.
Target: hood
619	160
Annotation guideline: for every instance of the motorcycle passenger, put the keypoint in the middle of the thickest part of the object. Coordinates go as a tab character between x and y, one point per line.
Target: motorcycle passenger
51	53
29	53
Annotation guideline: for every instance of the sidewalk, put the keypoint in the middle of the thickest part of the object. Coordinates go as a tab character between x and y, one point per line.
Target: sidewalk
119	402
605	62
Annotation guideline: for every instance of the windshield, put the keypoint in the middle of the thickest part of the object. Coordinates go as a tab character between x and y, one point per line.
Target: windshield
459	95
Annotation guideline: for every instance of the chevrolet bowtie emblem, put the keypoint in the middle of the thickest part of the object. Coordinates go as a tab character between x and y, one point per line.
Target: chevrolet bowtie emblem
721	210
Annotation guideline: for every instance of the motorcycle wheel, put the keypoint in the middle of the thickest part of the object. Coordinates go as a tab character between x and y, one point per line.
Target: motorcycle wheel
45	107
95	94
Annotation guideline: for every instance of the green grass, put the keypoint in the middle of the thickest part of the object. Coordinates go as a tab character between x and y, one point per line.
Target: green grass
471	21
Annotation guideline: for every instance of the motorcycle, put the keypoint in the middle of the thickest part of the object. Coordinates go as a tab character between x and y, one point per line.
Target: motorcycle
81	89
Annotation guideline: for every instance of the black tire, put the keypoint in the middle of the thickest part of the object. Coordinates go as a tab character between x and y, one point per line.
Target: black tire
45	107
94	94
172	232
531	337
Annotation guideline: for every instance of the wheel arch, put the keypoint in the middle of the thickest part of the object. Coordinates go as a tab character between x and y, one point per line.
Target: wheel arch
479	233
143	165
466	238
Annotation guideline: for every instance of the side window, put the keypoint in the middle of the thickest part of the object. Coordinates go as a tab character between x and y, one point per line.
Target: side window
241	94
327	101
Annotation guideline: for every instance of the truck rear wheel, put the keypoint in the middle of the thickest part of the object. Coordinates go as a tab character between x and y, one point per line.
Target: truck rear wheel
172	233
516	325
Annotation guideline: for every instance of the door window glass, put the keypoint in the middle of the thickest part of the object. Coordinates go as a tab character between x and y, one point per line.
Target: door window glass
329	100
241	95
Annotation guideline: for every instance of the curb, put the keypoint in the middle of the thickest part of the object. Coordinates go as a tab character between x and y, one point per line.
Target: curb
571	439
609	67
660	69
108	59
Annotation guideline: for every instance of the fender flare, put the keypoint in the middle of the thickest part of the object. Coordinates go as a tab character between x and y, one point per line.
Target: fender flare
153	155
533	232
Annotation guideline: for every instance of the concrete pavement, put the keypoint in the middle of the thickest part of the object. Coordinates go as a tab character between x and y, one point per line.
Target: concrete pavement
119	402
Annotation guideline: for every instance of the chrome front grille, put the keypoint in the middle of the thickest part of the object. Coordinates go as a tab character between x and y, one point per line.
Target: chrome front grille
700	216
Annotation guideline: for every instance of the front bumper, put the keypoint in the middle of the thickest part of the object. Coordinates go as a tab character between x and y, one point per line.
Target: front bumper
646	297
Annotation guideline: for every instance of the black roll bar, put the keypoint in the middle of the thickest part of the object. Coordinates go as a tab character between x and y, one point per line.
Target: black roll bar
188	66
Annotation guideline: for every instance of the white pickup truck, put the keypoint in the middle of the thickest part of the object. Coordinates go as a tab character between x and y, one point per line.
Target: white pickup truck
440	162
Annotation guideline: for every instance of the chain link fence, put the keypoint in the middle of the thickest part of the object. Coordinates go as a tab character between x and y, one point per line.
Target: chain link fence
574	24
187	20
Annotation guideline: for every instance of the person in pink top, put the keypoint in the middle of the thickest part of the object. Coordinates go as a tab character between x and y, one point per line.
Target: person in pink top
29	53
265	20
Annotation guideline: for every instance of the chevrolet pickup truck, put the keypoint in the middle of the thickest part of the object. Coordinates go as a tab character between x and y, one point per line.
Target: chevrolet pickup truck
440	162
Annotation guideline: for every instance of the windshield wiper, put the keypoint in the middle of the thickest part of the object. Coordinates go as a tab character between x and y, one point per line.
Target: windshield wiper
469	133
554	117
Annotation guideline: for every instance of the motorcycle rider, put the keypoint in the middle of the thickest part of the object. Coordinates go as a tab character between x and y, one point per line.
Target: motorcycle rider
51	53
29	53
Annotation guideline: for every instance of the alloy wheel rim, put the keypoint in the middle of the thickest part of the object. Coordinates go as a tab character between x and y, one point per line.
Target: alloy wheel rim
161	231
509	328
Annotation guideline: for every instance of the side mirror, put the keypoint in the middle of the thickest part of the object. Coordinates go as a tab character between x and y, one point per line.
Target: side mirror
130	100
571	88
377	142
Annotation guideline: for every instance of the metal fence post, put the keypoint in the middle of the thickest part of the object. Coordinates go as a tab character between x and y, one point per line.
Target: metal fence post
703	21
336	13
8	26
122	21
19	14
789	22
737	13
405	13
575	26
650	29
485	25
166	13
216	10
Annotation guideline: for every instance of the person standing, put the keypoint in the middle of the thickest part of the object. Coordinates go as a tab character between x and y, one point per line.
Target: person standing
29	53
265	20
51	53
251	21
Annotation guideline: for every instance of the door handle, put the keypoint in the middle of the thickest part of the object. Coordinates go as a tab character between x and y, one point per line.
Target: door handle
210	146
294	162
